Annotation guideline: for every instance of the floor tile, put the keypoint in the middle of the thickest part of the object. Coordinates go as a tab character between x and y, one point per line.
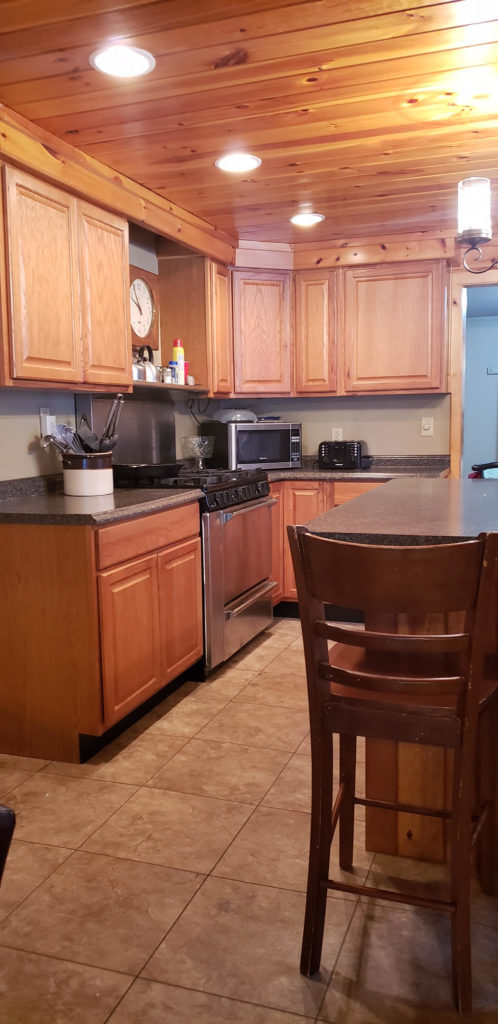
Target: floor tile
276	689
186	717
395	966
102	911
131	760
9	779
226	770
257	726
27	865
24	764
39	990
61	811
273	847
224	685
173	829
292	789
258	655
149	1002
404	874
243	941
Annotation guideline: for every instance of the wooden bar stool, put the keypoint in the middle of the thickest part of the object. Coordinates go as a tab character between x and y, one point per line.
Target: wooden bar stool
425	686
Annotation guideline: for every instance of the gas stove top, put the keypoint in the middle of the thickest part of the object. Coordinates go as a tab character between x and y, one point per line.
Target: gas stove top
222	487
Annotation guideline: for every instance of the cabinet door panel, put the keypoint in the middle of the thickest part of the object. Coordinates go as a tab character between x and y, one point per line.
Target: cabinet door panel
42	253
221	330
315	332
180	604
129	618
393	327
277	541
346	490
262	332
105	305
302	502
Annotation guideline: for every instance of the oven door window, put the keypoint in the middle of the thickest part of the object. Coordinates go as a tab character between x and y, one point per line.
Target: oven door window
262	446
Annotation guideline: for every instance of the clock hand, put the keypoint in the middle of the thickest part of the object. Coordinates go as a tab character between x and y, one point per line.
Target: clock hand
133	299
137	302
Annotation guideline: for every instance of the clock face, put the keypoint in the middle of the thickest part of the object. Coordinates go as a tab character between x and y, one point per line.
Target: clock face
142	309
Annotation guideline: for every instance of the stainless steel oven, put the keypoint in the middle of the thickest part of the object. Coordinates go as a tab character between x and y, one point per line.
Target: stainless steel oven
237	576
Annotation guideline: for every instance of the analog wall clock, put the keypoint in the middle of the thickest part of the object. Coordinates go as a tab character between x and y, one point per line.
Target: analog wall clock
144	308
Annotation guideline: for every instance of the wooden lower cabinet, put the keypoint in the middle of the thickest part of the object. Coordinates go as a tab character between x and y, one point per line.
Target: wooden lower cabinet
151	625
130	636
94	621
303	500
180	607
277	541
298	501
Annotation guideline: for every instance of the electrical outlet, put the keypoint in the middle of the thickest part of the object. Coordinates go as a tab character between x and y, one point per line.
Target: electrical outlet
427	426
337	433
47	422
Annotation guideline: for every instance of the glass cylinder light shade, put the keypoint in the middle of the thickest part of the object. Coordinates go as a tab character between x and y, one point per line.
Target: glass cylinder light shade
474	210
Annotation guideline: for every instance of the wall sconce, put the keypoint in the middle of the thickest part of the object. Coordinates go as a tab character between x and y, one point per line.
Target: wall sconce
474	219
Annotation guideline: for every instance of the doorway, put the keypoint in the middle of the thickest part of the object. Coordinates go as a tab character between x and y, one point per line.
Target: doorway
480	383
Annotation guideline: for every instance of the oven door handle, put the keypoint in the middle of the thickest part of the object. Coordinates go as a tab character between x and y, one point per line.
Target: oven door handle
248	508
255	596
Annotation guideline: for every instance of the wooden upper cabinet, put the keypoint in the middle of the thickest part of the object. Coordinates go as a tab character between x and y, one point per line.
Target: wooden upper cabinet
315	356
393	327
41	236
105	304
221	336
262	332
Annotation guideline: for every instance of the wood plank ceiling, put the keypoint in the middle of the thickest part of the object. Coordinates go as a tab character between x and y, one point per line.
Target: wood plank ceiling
369	111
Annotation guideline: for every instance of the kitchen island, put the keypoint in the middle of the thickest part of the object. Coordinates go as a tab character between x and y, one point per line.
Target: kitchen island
423	511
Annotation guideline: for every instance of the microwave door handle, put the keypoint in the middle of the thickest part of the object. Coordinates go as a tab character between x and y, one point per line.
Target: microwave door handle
249	508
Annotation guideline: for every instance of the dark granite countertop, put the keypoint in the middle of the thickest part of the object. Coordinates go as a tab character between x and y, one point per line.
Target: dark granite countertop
388	468
420	511
54	507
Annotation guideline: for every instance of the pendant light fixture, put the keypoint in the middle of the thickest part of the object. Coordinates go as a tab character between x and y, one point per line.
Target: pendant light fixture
474	219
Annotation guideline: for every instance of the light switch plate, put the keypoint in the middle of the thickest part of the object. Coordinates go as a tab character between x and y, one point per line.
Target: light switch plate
427	426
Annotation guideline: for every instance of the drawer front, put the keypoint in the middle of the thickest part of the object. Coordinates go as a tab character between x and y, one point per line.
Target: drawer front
124	541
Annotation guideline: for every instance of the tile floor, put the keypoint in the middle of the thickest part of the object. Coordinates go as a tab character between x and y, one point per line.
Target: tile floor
163	882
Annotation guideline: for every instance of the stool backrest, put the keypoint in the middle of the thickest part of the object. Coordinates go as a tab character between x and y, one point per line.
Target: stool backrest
426	611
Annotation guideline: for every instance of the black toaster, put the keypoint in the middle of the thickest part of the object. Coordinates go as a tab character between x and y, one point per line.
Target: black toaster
342	455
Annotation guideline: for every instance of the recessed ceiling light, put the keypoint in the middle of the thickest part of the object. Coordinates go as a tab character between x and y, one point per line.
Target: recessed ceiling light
237	162
306	220
122	61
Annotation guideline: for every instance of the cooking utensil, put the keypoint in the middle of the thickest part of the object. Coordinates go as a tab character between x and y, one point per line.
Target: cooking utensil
49	439
68	436
109	435
87	436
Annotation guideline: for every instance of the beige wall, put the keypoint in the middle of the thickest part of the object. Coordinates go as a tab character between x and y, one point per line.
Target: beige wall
20	452
390	424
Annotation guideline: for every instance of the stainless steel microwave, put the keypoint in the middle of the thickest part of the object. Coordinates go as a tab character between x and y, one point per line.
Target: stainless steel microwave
269	445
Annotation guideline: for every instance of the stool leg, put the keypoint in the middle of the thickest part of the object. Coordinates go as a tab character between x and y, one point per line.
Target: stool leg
319	857
461	834
487	769
346	821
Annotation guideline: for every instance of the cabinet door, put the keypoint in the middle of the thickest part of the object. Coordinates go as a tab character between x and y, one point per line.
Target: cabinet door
221	337
262	332
180	605
315	349
130	639
393	327
41	224
277	541
105	303
302	502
